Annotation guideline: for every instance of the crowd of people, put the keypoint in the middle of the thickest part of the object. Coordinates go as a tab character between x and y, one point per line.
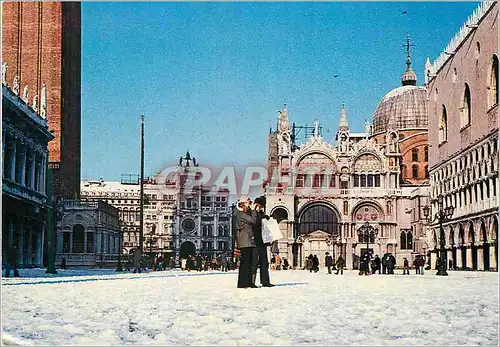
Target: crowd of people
222	262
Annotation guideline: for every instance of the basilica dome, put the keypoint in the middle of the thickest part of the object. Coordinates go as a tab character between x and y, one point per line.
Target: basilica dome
403	108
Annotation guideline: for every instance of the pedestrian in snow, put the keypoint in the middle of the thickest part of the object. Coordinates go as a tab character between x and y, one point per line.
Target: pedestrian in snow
137	260
422	264
384	264
406	267
377	264
246	240
391	264
199	263
285	264
224	263
315	263
340	265
310	262
328	262
416	264
260	260
12	255
450	264
273	263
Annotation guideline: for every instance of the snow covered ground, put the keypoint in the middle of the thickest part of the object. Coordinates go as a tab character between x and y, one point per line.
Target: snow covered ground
180	308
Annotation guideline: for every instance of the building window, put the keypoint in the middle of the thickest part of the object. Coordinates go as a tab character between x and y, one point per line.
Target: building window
377	180
493	87
426	153
356	180
332	181
369	180
346	208
414	170
299	182
406	239
465	110
316	180
362	182
426	171
414	154
443	126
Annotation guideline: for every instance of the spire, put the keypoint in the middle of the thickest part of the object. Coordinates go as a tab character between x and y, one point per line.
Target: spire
188	156
428	67
343	126
409	78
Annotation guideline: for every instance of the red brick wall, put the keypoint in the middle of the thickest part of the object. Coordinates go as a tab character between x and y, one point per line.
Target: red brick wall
37	38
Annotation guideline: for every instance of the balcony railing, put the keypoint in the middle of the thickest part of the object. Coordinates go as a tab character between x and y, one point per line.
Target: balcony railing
18	190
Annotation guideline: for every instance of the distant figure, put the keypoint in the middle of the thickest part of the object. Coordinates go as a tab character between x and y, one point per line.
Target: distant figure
137	260
328	262
310	265
416	264
12	255
199	262
340	265
315	263
63	263
286	265
406	267
450	265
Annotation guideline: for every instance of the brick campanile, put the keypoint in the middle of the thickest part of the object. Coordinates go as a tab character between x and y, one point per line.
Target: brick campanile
41	43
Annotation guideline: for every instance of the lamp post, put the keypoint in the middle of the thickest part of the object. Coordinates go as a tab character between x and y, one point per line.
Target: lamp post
367	231
442	215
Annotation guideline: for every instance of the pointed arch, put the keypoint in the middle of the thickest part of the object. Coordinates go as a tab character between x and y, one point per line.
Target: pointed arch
493	85
465	109
443	125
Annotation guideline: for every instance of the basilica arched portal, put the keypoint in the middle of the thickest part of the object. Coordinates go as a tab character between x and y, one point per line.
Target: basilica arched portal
318	231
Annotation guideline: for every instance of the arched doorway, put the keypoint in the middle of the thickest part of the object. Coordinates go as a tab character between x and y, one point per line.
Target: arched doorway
281	216
486	247
463	248
472	240
318	217
187	248
319	231
78	238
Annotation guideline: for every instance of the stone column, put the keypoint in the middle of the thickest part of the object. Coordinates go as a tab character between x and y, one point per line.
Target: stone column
480	258
469	257
21	232
493	259
43	173
30	244
32	170
60	240
71	242
85	241
458	265
22	180
12	162
39	246
348	255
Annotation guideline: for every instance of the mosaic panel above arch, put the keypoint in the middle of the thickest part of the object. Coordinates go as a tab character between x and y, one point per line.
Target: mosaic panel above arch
367	213
367	162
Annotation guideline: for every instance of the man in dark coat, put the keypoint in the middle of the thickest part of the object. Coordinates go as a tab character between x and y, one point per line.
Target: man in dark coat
340	265
12	255
315	263
328	262
137	260
245	238
377	263
260	251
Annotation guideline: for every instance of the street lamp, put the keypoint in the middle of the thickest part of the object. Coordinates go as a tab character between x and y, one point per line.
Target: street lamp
442	215
367	232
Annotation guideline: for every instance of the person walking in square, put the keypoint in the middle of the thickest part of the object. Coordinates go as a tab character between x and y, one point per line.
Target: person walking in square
340	265
406	267
260	260
328	262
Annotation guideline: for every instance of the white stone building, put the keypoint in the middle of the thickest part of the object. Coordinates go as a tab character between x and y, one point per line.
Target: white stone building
178	222
324	190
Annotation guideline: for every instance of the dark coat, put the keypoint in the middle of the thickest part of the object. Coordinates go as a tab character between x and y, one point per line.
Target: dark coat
315	261
244	227
257	228
340	262
328	260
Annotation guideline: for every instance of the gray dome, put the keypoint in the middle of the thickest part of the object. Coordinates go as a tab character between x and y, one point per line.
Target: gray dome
403	108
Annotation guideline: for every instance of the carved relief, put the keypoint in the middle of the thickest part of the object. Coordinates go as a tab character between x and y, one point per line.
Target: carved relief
367	162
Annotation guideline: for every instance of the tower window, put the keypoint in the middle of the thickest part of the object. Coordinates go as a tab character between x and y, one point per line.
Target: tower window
414	154
414	170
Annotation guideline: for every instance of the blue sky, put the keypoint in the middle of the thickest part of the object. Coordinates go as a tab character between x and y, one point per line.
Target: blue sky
210	77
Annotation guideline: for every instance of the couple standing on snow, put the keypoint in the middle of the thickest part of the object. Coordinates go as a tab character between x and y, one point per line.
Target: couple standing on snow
248	219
